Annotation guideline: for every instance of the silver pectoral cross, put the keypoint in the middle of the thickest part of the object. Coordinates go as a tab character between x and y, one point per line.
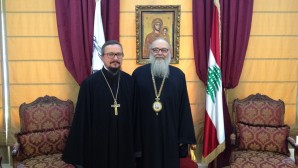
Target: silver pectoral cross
115	106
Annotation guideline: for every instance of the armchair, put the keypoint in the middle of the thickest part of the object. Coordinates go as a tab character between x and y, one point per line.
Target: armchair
260	138
44	126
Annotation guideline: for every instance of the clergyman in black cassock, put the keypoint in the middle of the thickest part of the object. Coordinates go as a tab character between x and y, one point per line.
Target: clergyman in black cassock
100	136
169	126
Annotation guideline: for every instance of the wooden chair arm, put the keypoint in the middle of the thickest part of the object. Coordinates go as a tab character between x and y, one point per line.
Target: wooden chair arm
193	147
233	139
14	154
292	142
15	150
295	146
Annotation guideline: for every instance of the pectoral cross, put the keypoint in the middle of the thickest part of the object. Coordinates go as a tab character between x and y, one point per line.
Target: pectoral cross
115	106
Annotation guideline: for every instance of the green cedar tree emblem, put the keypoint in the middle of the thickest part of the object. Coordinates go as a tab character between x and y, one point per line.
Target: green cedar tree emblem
214	81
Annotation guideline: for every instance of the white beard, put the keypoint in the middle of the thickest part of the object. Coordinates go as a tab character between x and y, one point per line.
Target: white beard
159	66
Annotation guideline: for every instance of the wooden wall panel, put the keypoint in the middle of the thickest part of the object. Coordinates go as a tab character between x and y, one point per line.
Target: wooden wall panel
270	70
272	47
275	5
129	46
14	115
275	90
39	72
129	5
290	114
198	113
28	93
31	24
186	23
196	92
188	67
1	98
186	48
30	5
34	48
129	65
128	26
274	24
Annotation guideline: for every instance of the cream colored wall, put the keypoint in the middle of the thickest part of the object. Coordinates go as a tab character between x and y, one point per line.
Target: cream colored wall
196	88
271	63
36	65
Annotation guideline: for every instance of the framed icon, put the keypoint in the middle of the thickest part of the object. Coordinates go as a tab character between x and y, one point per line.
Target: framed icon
154	22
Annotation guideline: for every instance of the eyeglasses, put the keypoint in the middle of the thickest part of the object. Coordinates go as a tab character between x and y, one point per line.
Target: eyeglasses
112	55
163	50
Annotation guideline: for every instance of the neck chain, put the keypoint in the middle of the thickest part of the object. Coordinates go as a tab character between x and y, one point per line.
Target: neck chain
115	105
157	105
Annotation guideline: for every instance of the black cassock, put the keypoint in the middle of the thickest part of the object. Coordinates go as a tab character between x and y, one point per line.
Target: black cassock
161	134
98	138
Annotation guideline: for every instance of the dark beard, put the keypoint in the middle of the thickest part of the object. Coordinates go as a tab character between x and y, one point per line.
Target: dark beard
114	71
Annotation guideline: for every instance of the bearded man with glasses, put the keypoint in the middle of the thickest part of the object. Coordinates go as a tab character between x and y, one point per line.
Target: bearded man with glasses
101	135
162	104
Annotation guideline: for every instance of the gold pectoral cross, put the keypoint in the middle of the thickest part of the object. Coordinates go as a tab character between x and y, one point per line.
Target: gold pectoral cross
115	106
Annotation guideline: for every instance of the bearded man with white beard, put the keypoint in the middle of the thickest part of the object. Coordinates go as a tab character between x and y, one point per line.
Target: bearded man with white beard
162	103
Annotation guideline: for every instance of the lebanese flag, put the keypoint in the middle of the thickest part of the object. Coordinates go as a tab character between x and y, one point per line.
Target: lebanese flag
214	130
98	38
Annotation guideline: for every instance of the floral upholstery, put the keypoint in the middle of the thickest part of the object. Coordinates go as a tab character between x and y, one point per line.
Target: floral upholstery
42	142
259	109
260	138
45	113
256	159
44	125
45	161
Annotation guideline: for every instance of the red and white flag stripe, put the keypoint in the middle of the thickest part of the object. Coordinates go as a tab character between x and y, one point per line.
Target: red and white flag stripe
214	132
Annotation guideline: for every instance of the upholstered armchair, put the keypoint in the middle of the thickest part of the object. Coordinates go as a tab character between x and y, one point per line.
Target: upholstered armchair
261	139
44	126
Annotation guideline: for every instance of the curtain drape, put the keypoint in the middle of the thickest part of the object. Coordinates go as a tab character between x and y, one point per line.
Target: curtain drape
236	24
236	17
75	28
110	12
75	21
